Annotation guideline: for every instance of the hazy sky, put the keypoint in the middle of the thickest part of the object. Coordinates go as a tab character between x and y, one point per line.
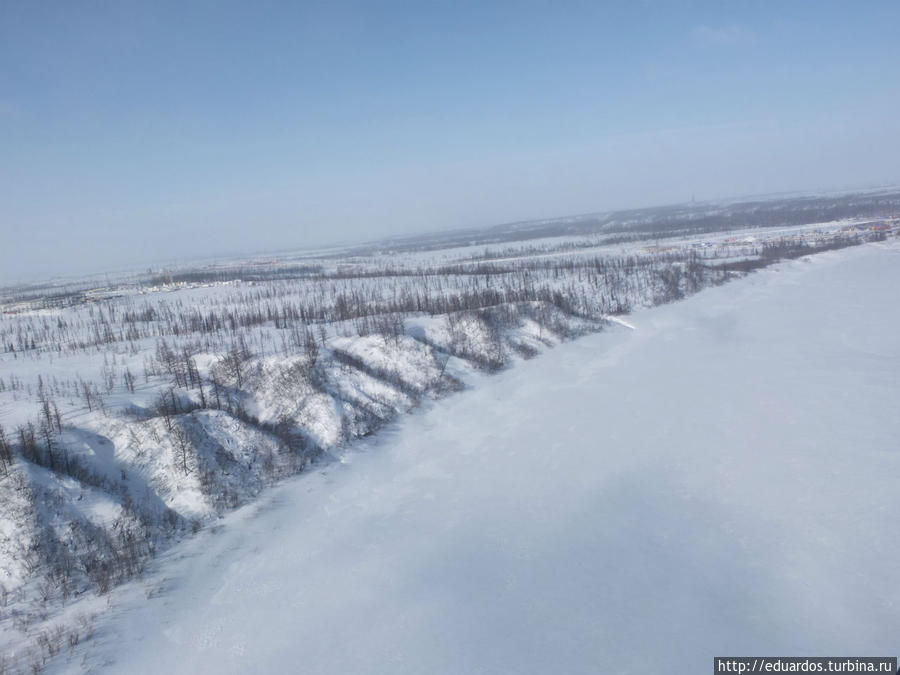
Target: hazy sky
134	131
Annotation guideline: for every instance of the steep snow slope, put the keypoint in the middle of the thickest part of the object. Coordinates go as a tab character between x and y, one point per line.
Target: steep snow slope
720	480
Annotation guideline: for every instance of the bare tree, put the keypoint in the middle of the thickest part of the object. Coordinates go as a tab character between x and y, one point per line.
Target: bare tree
5	452
182	444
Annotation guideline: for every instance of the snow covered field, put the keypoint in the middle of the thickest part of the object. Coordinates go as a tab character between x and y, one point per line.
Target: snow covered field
721	480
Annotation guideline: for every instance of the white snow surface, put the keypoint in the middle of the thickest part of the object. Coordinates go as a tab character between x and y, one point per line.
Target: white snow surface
720	480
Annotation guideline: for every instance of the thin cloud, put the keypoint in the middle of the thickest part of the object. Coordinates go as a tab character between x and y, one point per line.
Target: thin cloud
724	36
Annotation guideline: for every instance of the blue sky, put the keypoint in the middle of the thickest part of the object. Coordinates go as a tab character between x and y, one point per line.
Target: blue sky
134	132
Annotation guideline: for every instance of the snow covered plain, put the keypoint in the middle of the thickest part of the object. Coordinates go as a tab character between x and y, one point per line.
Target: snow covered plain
720	480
